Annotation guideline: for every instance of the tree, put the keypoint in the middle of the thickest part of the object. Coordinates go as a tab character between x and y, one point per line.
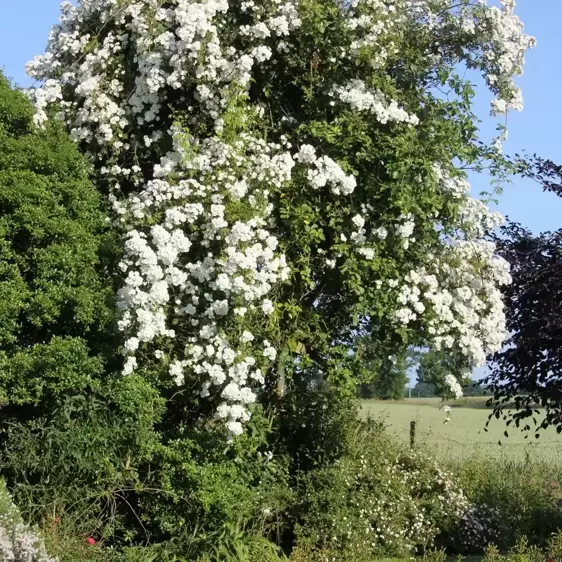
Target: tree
526	372
476	389
385	378
424	390
433	366
391	379
279	171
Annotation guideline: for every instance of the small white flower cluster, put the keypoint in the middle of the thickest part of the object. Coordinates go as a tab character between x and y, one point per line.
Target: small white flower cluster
374	22
447	409
454	387
476	218
456	186
325	172
505	55
48	94
360	98
359	236
460	290
457	296
18	542
405	229
499	32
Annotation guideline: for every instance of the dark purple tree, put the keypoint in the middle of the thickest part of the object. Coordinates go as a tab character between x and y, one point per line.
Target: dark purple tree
527	373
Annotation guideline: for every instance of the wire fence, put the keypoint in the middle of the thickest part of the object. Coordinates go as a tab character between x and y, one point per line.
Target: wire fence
456	451
475	442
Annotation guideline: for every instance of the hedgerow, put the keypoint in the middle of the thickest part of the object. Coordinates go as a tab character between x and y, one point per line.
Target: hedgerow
256	192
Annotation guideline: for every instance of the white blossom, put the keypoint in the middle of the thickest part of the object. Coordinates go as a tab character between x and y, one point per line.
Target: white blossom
189	259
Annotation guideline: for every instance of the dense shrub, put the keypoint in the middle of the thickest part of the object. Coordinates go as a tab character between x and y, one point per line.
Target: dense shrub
380	499
52	237
70	432
314	427
55	296
207	488
479	527
83	463
521	499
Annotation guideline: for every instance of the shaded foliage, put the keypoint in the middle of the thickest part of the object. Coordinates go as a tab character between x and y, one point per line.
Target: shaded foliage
527	372
434	365
384	377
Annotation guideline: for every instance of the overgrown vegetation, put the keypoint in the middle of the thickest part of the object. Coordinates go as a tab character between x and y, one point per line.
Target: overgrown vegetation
217	221
518	499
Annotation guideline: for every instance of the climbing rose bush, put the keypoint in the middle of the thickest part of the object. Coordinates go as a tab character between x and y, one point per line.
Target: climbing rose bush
284	176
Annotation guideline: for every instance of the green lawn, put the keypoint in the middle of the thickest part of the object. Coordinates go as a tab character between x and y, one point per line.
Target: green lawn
465	435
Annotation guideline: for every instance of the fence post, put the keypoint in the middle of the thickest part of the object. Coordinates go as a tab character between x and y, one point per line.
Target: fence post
412	434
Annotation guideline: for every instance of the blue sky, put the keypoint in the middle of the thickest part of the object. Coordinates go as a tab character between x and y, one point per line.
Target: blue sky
24	27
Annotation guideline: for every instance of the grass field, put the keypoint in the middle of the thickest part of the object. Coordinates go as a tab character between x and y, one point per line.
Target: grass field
465	435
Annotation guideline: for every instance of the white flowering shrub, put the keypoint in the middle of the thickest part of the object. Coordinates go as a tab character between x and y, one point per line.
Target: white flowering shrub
378	500
283	172
18	541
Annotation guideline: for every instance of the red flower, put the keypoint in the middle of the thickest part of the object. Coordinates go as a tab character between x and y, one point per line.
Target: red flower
90	540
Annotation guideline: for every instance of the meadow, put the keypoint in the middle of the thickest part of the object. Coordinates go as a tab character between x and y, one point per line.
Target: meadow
465	435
